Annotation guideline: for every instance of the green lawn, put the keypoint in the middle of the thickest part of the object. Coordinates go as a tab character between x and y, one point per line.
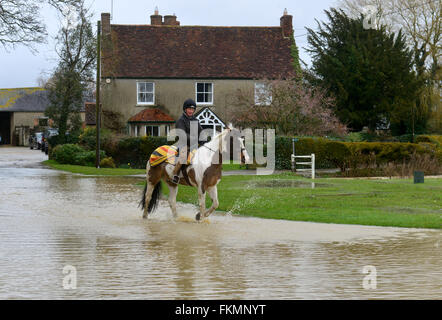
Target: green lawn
114	172
397	202
92	170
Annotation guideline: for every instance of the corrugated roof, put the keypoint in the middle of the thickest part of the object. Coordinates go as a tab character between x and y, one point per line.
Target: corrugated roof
23	100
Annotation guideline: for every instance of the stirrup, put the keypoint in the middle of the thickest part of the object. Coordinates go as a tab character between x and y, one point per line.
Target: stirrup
175	179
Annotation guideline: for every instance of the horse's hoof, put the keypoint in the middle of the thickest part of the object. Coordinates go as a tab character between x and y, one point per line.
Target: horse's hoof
198	216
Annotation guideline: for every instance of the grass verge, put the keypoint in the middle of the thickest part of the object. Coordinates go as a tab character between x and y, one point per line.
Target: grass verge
394	203
92	170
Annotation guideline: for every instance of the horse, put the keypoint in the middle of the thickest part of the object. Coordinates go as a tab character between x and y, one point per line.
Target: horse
204	173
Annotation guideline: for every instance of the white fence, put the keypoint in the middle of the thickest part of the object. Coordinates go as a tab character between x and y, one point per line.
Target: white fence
311	164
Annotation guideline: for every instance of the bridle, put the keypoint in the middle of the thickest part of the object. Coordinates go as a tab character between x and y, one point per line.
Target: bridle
242	149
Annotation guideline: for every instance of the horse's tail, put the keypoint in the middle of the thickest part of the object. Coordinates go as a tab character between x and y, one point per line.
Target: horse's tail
153	203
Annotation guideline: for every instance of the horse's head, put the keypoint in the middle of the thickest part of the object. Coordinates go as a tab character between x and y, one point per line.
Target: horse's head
238	139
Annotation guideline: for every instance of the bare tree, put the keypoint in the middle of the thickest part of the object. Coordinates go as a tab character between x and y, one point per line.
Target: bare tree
21	23
288	106
70	84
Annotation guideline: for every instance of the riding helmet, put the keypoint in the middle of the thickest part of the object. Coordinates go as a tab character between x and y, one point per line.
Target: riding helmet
189	103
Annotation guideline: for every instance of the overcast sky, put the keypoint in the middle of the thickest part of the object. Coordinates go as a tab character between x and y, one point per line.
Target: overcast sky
20	67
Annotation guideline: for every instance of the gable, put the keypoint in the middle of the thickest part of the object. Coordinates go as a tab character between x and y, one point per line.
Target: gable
207	117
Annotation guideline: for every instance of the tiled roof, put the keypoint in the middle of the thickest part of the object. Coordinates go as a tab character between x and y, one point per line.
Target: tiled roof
151	115
198	52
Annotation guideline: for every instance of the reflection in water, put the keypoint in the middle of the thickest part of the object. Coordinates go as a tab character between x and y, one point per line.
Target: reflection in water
51	219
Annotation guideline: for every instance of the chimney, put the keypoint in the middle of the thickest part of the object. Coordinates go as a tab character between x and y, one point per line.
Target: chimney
105	23
156	19
170	20
286	24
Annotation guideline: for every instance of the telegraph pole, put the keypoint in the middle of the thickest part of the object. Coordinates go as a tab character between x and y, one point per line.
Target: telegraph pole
97	96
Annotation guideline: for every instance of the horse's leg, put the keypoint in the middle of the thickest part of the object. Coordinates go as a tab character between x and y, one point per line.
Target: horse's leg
213	193
173	190
202	202
147	197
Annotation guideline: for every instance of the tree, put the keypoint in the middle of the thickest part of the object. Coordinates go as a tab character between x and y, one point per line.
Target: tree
71	82
21	23
420	22
368	71
292	107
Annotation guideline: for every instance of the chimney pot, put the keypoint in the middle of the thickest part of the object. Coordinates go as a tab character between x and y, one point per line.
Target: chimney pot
170	20
286	23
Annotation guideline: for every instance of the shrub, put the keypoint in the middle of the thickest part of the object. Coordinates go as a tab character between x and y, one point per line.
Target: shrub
329	154
135	151
436	140
107	162
75	154
65	153
87	158
88	138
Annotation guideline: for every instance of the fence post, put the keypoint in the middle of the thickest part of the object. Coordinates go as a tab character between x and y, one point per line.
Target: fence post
313	166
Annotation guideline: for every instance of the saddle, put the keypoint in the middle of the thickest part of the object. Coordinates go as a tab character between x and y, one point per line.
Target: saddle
168	154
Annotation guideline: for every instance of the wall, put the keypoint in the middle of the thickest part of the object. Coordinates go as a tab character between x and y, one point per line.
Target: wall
121	95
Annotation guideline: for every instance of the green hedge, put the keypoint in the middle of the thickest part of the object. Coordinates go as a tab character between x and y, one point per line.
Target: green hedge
75	154
335	154
134	152
329	154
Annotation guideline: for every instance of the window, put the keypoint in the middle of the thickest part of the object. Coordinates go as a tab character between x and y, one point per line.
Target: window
145	93
152	131
43	122
263	94
204	93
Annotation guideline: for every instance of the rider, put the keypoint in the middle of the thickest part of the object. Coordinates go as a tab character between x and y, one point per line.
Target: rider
184	124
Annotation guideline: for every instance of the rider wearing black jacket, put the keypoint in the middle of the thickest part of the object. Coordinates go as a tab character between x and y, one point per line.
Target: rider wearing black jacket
184	123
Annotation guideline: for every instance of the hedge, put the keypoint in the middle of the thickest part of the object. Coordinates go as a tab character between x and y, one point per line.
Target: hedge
342	155
75	154
134	152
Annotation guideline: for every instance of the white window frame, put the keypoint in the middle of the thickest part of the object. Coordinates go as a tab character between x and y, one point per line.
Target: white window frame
141	103
265	88
196	93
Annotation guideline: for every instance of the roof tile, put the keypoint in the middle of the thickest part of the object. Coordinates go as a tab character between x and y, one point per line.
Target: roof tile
141	51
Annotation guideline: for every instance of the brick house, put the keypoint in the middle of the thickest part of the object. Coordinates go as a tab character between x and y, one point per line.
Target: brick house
149	70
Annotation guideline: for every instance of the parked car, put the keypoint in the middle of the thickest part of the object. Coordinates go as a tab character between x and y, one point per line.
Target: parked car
46	135
35	140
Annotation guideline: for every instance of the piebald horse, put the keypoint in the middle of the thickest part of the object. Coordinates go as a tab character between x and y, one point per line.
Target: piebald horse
204	173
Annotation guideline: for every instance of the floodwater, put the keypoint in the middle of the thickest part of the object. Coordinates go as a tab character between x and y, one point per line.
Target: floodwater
66	236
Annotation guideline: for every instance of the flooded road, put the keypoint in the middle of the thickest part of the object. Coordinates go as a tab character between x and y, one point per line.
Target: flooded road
66	236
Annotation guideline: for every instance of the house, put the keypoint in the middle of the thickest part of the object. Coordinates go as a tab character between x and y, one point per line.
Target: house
148	71
22	110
